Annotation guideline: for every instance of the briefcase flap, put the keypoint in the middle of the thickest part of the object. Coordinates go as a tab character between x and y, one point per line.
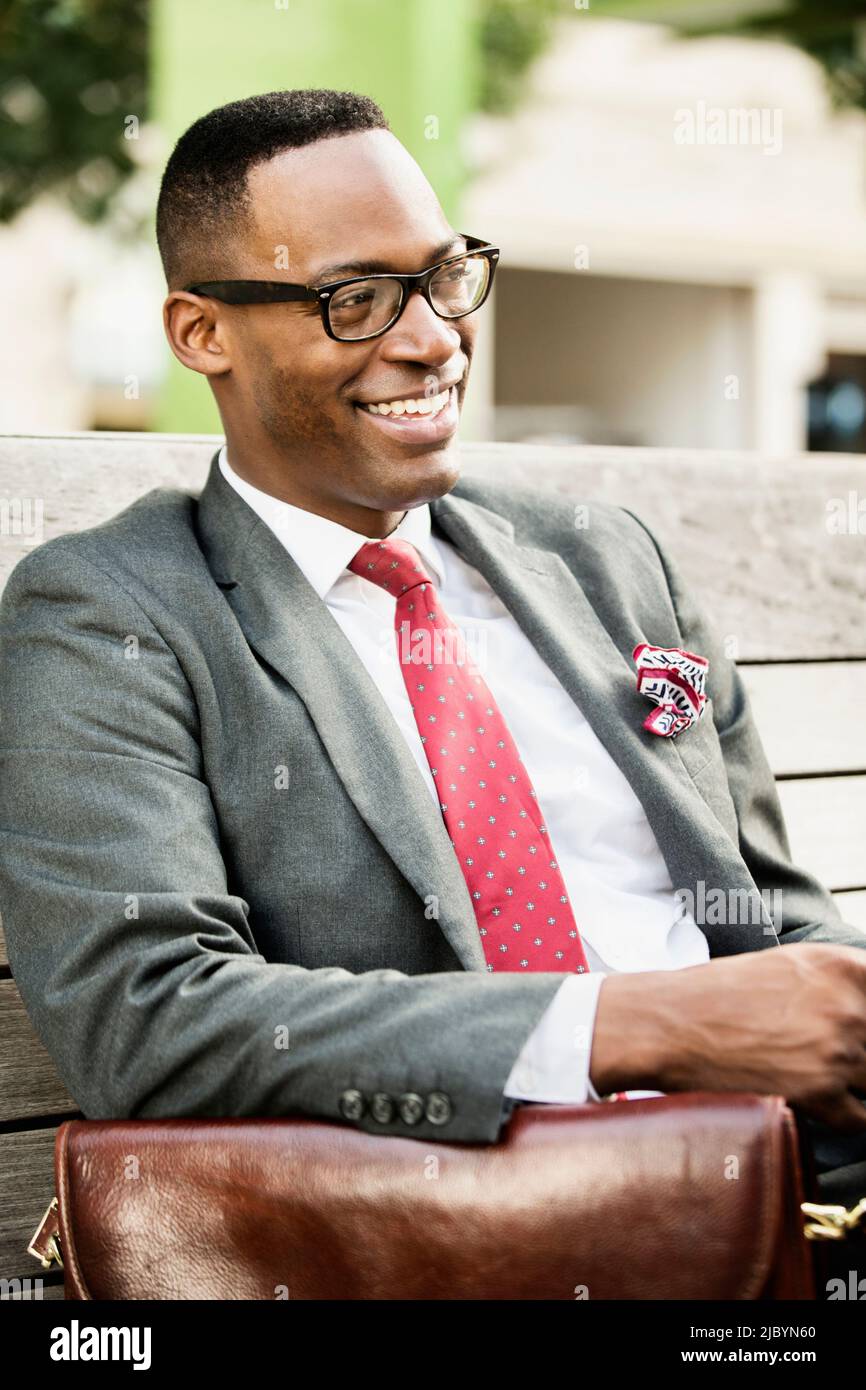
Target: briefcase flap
680	1197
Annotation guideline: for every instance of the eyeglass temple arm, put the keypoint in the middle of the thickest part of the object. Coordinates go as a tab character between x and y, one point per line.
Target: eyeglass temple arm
250	291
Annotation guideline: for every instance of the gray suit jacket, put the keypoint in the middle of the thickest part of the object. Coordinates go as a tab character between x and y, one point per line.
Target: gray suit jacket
216	850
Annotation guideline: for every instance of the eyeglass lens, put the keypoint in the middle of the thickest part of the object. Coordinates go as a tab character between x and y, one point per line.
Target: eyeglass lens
368	306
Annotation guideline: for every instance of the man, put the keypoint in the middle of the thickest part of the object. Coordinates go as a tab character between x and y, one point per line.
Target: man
243	869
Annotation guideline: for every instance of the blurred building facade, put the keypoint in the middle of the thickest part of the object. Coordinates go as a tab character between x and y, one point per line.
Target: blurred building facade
682	223
683	226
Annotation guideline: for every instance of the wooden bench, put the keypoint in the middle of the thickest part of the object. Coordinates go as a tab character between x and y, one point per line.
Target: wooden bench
771	546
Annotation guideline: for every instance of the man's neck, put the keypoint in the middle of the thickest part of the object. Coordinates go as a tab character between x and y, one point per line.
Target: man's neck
367	521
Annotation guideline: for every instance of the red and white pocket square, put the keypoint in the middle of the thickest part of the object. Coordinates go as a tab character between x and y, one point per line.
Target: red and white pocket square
675	681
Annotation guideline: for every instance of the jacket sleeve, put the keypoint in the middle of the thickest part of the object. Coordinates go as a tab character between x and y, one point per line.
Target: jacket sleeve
808	912
137	966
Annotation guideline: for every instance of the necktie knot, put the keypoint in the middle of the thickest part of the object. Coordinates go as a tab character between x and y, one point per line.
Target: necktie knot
395	566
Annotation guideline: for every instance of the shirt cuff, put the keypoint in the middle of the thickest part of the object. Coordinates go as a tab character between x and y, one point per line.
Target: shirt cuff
553	1064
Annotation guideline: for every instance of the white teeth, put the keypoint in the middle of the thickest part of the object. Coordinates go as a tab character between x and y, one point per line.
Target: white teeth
427	405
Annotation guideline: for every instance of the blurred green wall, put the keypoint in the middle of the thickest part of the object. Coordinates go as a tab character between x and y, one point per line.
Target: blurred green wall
415	58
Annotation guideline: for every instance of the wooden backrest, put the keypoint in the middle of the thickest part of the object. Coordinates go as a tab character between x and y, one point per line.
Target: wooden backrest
773	548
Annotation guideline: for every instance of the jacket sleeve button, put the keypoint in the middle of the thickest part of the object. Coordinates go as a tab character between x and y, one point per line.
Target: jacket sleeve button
382	1107
411	1108
439	1109
352	1105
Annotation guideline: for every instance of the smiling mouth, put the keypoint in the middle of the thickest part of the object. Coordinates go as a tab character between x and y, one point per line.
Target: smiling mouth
425	406
411	421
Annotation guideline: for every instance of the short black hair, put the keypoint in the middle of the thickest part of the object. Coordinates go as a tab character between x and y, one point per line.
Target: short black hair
204	187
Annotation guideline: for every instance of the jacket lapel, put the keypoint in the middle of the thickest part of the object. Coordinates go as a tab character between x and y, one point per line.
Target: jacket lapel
287	623
545	598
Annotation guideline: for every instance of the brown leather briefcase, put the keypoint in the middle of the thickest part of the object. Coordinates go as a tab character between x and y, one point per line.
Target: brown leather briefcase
684	1197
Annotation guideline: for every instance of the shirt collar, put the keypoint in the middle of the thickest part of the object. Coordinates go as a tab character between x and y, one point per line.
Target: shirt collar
322	548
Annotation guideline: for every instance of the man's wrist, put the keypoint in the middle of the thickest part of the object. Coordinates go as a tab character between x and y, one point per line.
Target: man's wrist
629	1045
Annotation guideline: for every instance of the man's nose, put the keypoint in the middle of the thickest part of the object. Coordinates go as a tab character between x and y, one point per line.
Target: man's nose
420	334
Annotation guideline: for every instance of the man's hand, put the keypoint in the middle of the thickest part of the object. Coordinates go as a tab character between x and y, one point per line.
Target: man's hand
788	1021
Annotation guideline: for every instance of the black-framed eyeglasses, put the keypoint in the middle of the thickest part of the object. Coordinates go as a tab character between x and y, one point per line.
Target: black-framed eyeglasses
364	306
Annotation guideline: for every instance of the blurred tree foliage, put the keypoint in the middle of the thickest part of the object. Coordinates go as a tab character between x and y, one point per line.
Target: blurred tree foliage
513	33
71	72
832	31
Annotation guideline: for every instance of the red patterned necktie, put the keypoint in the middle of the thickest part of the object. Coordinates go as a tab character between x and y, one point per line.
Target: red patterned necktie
485	795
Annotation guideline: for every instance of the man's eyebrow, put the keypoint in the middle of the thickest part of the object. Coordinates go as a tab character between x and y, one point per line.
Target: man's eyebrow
336	272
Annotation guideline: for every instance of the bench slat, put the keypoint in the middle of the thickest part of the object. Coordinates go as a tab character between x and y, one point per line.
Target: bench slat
29	1084
852	907
771	546
27	1166
810	717
826	819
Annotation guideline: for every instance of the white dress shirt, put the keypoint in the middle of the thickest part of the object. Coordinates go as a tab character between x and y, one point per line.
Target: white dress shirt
614	872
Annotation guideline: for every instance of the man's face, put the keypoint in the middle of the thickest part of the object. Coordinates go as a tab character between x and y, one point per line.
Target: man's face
317	212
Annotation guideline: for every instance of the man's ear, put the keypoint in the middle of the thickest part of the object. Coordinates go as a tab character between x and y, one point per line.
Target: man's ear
195	333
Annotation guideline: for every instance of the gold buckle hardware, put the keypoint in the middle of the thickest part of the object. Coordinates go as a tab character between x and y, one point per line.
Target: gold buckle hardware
831	1222
45	1242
